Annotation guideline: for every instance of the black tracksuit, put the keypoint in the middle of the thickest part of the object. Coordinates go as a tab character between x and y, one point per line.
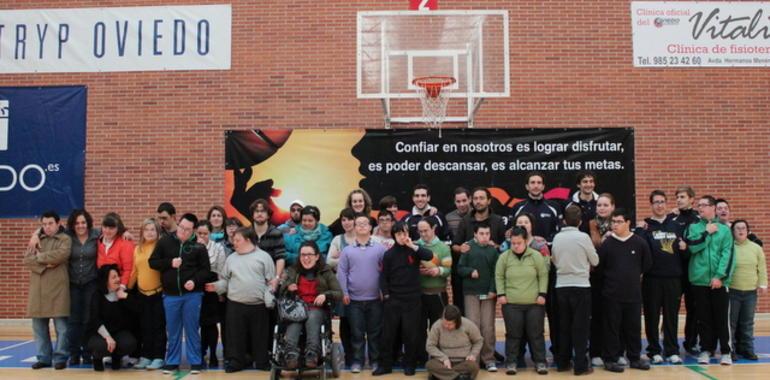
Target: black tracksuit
621	264
195	264
400	285
662	285
683	220
548	214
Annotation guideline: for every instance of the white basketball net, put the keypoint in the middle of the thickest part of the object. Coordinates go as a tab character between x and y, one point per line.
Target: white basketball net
434	103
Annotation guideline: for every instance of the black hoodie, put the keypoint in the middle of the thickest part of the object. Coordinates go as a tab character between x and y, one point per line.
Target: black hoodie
195	264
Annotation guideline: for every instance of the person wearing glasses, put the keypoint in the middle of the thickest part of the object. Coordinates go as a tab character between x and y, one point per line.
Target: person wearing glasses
712	263
295	208
184	267
662	284
623	258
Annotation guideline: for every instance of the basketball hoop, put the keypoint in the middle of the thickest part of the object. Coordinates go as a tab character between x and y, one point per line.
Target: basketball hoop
434	94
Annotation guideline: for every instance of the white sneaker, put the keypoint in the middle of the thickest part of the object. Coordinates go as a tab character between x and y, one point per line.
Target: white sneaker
491	367
674	359
597	362
355	368
622	361
704	357
726	360
657	359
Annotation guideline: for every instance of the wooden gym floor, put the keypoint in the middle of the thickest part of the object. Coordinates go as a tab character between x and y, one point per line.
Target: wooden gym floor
15	339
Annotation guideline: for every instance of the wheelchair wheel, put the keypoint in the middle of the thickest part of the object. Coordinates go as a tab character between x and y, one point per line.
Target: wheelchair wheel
337	360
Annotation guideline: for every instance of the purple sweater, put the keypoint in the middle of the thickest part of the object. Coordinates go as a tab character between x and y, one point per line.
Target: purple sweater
358	271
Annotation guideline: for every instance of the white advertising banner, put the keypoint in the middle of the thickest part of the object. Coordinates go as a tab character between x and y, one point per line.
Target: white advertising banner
193	37
688	34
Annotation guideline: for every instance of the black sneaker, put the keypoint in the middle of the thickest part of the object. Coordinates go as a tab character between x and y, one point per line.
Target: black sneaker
115	363
75	360
98	365
613	367
640	364
60	365
169	369
749	356
231	369
39	365
196	369
381	371
584	372
409	371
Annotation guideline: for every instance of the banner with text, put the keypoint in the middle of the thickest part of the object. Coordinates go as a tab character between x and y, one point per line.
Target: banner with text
321	167
195	37
42	150
687	34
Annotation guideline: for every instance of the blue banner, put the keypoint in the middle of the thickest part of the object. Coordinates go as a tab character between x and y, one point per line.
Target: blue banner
42	150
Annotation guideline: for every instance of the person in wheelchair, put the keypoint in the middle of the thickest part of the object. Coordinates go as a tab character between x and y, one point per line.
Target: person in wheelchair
315	284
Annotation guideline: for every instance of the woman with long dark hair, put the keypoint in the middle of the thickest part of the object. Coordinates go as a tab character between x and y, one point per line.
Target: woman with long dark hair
112	313
314	283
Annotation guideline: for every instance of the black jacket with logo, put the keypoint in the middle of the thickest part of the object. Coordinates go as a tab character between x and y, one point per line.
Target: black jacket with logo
195	264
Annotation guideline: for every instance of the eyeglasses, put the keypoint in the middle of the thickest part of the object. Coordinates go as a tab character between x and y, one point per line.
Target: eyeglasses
617	221
185	229
704	205
308	254
658	203
295	209
366	224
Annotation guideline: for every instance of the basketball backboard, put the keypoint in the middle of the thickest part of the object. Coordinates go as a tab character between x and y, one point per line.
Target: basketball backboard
394	47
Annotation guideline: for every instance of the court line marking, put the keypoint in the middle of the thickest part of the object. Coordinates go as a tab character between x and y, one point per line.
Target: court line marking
16	345
3	357
701	371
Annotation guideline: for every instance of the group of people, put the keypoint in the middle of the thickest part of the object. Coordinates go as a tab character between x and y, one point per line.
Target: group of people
388	274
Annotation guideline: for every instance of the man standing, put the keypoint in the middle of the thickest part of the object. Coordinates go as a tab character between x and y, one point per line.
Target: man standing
723	213
547	213
433	275
184	267
710	270
623	258
683	217
462	206
358	273
585	198
400	286
167	219
662	284
573	255
49	296
481	213
295	217
421	209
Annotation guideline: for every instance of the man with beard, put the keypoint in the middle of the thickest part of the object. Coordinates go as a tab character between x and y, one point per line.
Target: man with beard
547	213
422	209
462	206
295	208
481	213
585	198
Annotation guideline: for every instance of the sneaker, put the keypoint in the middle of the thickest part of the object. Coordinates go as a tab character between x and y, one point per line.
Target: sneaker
39	365
585	372
169	369
674	359
409	371
641	364
613	367
510	369
155	364
107	360
622	361
98	366
381	371
726	360
597	362
355	368
292	360
704	357
60	365
541	368
143	363
196	369
492	367
657	359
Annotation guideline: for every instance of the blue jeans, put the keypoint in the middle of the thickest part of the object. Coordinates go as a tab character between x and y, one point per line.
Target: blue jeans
80	306
365	319
742	306
183	312
43	340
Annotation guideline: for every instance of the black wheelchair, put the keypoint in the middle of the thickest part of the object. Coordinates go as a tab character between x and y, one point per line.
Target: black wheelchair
331	359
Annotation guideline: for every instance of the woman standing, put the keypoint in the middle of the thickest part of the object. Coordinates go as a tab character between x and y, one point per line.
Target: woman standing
309	230
111	318
114	249
361	203
315	284
83	284
150	299
526	221
521	277
599	229
750	274
217	216
231	225
210	306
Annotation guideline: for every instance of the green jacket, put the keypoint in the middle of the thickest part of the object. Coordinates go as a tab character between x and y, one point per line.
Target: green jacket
483	260
711	255
442	258
521	281
327	282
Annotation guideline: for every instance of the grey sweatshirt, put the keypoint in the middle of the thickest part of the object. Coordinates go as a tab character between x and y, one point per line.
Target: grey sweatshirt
245	276
573	254
456	344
